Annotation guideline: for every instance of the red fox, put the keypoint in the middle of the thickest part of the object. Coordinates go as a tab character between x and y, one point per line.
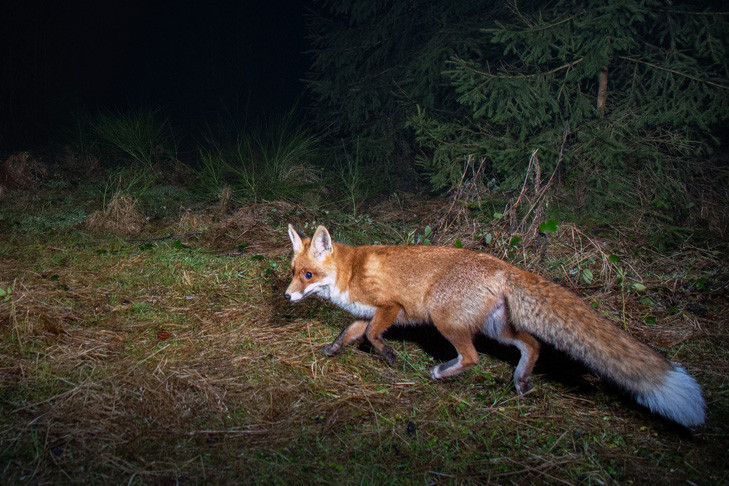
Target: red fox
464	292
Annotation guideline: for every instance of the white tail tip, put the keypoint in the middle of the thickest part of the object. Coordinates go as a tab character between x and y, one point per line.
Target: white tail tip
677	398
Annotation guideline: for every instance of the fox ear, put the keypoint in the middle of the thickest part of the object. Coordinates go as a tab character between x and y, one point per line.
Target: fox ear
321	243
295	238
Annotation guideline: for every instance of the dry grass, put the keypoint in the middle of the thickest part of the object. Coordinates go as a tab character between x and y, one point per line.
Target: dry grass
120	216
179	361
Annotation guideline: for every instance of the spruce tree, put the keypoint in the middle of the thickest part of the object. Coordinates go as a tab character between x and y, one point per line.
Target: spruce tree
636	90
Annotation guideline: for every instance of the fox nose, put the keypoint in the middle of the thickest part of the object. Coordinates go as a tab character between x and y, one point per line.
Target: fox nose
288	296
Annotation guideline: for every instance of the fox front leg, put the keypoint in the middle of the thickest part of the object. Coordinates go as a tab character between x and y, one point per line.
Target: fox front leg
384	317
373	330
353	332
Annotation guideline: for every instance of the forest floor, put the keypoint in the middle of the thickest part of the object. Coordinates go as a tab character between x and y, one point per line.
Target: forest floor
160	349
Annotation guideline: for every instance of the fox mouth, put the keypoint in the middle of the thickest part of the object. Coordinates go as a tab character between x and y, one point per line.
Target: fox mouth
299	296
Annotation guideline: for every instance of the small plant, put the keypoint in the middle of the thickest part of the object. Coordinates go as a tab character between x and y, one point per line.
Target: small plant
351	178
5	293
548	226
625	285
414	238
587	275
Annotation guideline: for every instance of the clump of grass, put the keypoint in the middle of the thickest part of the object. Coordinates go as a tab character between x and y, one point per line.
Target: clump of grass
273	162
121	216
191	221
139	135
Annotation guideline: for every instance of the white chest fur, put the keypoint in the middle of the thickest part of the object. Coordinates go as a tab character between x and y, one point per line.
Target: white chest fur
341	299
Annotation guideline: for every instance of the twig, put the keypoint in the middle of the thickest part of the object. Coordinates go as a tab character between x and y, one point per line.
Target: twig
549	182
459	189
166	237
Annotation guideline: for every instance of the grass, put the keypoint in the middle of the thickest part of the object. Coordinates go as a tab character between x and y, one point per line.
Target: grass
139	135
269	163
144	359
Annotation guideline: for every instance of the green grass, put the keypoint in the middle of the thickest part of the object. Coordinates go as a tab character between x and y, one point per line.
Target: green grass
149	361
272	162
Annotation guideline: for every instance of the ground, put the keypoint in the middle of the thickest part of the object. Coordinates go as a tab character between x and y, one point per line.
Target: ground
164	352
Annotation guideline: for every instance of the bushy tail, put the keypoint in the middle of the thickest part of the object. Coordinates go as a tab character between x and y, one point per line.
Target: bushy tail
557	316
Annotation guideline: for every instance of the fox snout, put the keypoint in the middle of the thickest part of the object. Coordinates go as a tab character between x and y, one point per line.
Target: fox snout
293	295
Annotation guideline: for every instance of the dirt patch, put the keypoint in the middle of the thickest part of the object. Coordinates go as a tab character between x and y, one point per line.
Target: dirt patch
257	228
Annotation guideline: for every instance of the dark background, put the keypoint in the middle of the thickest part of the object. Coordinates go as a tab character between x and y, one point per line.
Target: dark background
189	58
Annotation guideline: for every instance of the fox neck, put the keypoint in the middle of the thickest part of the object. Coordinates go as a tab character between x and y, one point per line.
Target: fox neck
335	287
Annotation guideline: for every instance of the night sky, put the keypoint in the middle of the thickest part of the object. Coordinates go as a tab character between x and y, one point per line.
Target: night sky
190	58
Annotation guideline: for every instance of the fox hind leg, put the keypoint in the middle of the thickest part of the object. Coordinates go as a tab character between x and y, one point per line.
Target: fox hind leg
497	326
462	339
529	348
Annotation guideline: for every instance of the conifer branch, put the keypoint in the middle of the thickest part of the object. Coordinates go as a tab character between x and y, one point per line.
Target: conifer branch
673	71
518	76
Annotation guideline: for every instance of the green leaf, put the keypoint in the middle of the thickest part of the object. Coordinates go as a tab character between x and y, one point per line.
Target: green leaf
458	243
550	226
587	275
638	286
614	258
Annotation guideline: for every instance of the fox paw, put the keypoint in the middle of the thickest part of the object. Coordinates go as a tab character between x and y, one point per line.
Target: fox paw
435	373
389	354
523	385
329	350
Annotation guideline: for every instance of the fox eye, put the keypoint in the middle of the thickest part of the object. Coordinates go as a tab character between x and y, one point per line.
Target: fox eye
308	275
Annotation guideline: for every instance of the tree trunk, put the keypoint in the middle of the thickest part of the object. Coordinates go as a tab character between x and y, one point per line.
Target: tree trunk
602	91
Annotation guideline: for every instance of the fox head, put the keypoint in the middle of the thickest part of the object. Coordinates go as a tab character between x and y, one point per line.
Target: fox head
312	268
